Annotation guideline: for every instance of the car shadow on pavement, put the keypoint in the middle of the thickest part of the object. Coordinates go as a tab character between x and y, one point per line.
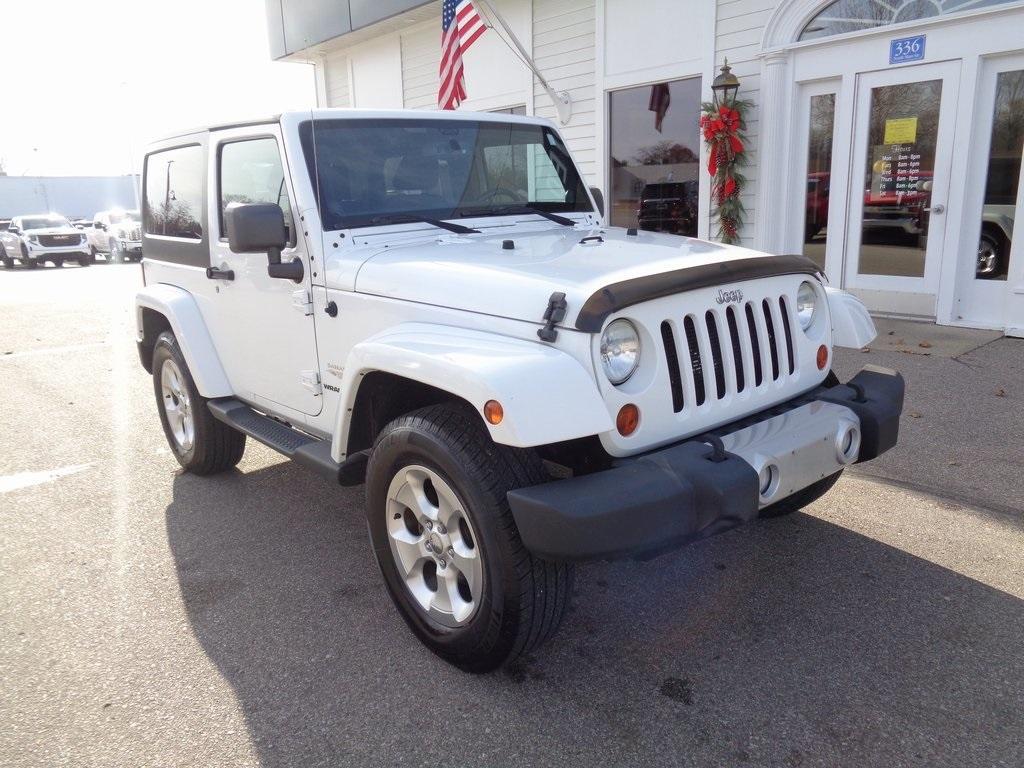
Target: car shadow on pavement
790	642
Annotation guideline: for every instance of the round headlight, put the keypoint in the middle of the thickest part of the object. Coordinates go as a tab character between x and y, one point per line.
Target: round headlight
806	304
620	351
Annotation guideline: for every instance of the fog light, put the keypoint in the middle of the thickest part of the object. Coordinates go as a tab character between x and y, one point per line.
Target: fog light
822	357
768	481
493	412
628	419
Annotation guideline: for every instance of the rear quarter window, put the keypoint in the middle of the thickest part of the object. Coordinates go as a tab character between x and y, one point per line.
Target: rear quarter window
175	181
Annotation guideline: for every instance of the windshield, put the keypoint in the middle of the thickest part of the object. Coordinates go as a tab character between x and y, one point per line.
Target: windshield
367	170
42	222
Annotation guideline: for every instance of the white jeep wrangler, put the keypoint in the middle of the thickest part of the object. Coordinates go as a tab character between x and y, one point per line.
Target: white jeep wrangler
429	303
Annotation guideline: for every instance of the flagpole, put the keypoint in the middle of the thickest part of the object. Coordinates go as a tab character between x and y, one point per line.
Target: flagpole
561	99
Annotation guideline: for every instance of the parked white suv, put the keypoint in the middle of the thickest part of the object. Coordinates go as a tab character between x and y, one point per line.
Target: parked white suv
34	240
116	233
429	303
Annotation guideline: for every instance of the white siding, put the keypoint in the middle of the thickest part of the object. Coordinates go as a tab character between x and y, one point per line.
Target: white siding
421	57
563	48
336	83
738	31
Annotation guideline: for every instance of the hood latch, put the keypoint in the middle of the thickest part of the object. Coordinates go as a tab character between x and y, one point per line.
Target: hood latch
553	315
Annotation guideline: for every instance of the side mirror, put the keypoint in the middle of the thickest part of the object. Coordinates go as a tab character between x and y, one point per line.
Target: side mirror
15	230
260	227
599	199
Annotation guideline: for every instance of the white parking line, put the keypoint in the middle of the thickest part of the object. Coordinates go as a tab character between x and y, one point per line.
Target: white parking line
10	483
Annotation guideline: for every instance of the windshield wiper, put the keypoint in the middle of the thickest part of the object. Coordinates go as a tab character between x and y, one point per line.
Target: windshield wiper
411	219
511	210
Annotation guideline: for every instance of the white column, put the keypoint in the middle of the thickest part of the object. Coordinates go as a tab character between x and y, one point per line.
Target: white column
773	151
320	75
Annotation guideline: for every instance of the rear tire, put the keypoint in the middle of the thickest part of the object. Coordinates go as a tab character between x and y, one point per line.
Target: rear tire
801	499
201	444
516	600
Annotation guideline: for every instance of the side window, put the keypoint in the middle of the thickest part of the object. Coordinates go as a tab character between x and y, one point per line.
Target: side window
251	172
174	193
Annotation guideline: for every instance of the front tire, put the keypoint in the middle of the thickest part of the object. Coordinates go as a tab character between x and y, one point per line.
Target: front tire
201	444
446	542
801	499
116	255
6	260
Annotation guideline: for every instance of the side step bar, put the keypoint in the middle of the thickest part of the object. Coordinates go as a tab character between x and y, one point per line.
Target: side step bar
302	448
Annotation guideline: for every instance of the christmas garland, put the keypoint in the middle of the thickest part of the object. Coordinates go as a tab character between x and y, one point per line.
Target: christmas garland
722	128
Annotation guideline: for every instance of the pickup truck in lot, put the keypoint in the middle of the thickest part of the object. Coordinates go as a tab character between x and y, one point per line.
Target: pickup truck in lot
117	234
46	237
429	304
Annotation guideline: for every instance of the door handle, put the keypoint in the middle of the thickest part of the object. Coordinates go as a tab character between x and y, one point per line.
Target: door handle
938	210
214	273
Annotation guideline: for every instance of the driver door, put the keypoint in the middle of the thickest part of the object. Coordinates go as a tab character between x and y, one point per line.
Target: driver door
264	335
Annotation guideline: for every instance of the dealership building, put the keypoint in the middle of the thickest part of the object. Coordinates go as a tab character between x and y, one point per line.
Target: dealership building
883	137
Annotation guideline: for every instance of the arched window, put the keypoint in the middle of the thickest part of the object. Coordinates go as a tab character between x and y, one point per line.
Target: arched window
844	16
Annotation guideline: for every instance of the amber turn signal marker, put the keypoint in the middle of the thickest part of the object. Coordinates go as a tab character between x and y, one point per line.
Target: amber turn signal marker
493	412
628	419
822	357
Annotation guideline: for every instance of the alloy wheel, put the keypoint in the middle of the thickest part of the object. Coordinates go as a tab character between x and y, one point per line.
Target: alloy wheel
177	405
434	546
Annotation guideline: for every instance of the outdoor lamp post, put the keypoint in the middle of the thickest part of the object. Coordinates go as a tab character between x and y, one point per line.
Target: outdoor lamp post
725	87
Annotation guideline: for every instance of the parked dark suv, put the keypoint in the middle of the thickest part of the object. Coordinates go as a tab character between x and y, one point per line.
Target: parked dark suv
669	206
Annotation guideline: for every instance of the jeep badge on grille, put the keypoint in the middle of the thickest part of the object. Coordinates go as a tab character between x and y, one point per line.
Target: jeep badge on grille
727	297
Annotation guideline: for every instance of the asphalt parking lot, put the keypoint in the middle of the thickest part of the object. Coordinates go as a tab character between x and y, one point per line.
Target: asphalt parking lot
153	618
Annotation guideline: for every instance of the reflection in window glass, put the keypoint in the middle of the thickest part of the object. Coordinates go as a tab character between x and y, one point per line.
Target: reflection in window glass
251	172
1003	179
819	176
844	16
655	156
174	192
902	131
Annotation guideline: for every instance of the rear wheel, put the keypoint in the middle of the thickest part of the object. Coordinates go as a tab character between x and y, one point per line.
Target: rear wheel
447	544
801	499
201	444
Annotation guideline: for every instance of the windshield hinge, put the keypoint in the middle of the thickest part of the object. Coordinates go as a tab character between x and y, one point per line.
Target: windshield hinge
311	381
553	315
302	301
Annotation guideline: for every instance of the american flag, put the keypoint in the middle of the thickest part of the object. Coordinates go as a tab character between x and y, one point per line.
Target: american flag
461	25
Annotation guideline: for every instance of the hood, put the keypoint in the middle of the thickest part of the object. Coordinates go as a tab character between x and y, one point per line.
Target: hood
475	273
53	231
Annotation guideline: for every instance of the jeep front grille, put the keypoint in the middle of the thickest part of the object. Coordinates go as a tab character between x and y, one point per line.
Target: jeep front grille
725	352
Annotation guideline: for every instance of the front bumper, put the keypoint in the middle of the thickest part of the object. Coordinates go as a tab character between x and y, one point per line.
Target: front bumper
36	251
661	500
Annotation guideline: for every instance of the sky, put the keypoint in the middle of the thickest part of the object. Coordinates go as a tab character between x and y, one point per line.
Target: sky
86	85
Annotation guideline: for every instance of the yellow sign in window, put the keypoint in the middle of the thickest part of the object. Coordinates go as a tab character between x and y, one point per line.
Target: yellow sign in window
901	130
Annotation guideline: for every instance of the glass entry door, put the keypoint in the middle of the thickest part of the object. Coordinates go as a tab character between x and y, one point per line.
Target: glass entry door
902	153
990	272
